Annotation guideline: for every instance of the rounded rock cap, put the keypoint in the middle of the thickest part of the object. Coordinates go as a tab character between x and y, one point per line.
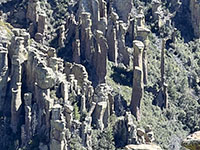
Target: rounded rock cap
138	44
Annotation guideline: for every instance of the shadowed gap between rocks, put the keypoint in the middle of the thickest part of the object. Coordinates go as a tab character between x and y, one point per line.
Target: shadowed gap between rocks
122	76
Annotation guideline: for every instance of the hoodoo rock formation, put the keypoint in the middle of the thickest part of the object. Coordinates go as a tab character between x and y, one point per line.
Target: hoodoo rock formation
97	74
138	85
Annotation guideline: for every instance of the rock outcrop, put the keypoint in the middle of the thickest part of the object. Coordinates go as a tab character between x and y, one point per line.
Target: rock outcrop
57	98
194	6
138	85
104	105
57	80
162	97
192	142
142	147
3	74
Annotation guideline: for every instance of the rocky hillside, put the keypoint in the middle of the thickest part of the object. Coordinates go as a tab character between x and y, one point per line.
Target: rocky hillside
99	74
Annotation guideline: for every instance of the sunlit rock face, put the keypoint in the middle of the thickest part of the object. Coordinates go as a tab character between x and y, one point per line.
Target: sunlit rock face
84	74
142	147
192	141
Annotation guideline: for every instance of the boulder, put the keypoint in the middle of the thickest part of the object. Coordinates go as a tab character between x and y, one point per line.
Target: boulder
192	142
142	147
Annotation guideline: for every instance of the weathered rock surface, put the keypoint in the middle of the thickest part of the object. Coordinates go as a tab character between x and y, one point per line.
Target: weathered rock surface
195	17
138	85
123	8
54	70
53	94
104	105
192	141
3	75
142	147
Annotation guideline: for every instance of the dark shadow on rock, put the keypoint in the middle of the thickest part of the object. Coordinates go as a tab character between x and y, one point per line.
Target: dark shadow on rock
7	5
92	75
120	105
153	91
65	53
122	76
182	22
120	133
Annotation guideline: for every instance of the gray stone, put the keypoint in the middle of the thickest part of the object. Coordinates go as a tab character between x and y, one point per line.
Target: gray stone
99	114
138	51
61	36
123	8
101	56
16	103
45	77
41	27
76	51
140	132
192	142
112	45
137	92
3	75
195	11
142	147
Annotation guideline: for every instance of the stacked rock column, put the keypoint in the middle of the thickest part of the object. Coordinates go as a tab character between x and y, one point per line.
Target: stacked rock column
16	100
3	75
86	36
138	86
28	115
61	36
142	34
101	56
58	129
163	84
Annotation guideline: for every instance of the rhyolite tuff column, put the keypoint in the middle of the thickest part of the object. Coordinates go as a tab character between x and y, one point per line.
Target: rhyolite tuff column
138	85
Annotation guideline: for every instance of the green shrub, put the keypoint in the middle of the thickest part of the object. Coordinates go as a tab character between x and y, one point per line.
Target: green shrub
76	112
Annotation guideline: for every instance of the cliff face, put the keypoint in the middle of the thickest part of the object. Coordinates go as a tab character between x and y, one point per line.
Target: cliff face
96	74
